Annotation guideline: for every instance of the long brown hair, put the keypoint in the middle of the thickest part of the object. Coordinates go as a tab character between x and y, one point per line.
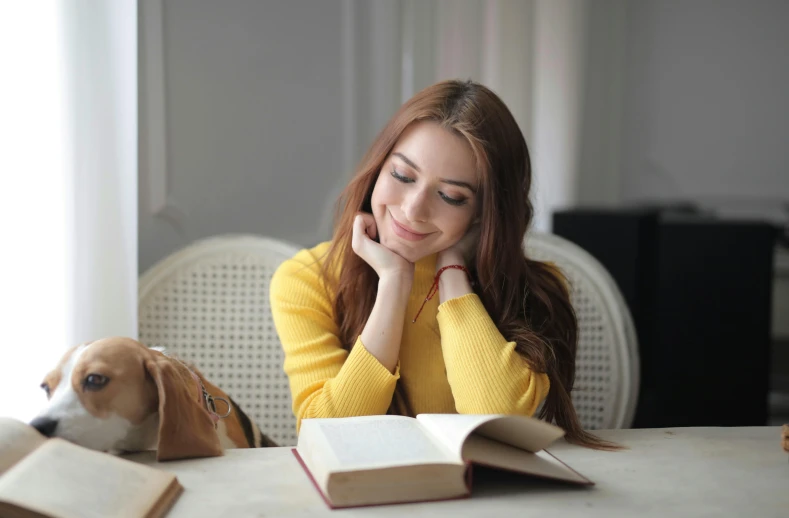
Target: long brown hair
527	299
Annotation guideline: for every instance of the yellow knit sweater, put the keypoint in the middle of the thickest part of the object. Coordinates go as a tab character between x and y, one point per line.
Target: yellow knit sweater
453	359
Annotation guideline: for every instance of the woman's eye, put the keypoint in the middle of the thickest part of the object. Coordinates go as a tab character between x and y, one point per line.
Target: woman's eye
400	178
46	388
453	201
95	381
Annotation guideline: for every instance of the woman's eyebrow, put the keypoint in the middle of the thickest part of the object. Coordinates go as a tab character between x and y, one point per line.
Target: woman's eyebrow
442	180
459	184
407	161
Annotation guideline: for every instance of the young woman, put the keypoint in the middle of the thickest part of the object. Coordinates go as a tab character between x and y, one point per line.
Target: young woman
423	301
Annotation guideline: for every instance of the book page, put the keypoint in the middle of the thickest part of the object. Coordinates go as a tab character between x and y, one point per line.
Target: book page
17	439
481	450
65	480
523	432
354	443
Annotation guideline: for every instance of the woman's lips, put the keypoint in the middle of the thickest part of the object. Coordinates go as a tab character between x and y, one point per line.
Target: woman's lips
405	232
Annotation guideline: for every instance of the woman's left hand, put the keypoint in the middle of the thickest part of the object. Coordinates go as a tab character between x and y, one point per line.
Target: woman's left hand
461	252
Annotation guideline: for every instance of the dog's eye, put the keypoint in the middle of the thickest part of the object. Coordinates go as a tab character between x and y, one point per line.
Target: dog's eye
95	382
46	388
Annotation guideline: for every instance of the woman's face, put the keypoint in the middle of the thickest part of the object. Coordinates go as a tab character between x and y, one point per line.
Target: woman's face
425	197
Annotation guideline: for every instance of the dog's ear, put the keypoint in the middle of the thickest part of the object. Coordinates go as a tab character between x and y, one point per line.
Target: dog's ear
185	427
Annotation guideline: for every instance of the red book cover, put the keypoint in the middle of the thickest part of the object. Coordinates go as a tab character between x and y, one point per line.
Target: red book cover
329	504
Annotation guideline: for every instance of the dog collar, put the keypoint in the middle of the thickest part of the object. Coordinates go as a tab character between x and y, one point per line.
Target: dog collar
206	400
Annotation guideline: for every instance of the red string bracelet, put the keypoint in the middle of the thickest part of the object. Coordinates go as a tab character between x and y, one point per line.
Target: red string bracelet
434	287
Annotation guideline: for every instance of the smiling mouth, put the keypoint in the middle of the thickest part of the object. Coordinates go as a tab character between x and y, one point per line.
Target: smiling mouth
405	232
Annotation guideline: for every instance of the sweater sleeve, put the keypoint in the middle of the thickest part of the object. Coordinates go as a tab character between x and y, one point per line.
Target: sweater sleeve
325	380
485	373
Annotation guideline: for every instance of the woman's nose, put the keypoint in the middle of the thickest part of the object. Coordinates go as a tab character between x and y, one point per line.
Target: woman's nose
415	207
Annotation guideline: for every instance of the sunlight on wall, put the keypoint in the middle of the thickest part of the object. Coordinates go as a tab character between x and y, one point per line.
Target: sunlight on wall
33	223
68	196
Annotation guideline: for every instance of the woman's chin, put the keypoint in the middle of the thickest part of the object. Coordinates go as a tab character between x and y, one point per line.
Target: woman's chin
406	252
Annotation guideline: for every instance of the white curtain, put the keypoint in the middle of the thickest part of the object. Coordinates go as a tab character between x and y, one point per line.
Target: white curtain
68	201
557	96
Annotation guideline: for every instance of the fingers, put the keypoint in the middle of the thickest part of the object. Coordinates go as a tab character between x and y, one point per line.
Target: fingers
359	233
366	224
364	231
378	256
471	243
372	228
368	220
464	250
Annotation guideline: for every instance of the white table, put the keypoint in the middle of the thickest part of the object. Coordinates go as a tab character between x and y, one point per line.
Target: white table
700	472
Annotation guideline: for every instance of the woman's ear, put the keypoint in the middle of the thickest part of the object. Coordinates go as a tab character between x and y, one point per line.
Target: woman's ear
185	428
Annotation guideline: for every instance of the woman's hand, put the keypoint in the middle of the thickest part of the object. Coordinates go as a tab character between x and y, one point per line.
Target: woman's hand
383	331
455	283
462	252
385	262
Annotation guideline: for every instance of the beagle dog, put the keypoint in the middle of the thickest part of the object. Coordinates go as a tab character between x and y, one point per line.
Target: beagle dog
118	395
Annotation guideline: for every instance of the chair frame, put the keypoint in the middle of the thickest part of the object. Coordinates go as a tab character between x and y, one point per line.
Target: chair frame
197	250
616	309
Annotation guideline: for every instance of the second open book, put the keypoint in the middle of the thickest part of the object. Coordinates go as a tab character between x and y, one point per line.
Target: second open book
373	460
52	478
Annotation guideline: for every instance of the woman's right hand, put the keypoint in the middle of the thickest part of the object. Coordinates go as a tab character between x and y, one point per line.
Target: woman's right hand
383	331
385	262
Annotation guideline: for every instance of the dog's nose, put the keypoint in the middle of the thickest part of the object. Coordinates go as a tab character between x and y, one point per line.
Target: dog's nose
44	425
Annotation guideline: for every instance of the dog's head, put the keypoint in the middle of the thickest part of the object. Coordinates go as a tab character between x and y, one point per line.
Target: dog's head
103	391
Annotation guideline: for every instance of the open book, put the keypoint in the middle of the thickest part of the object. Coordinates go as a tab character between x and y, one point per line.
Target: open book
372	460
53	478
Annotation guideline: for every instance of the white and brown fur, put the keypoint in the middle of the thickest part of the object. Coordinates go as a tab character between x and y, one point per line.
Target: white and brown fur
148	400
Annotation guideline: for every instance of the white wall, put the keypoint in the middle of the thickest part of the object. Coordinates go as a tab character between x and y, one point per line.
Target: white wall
605	49
253	120
705	103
